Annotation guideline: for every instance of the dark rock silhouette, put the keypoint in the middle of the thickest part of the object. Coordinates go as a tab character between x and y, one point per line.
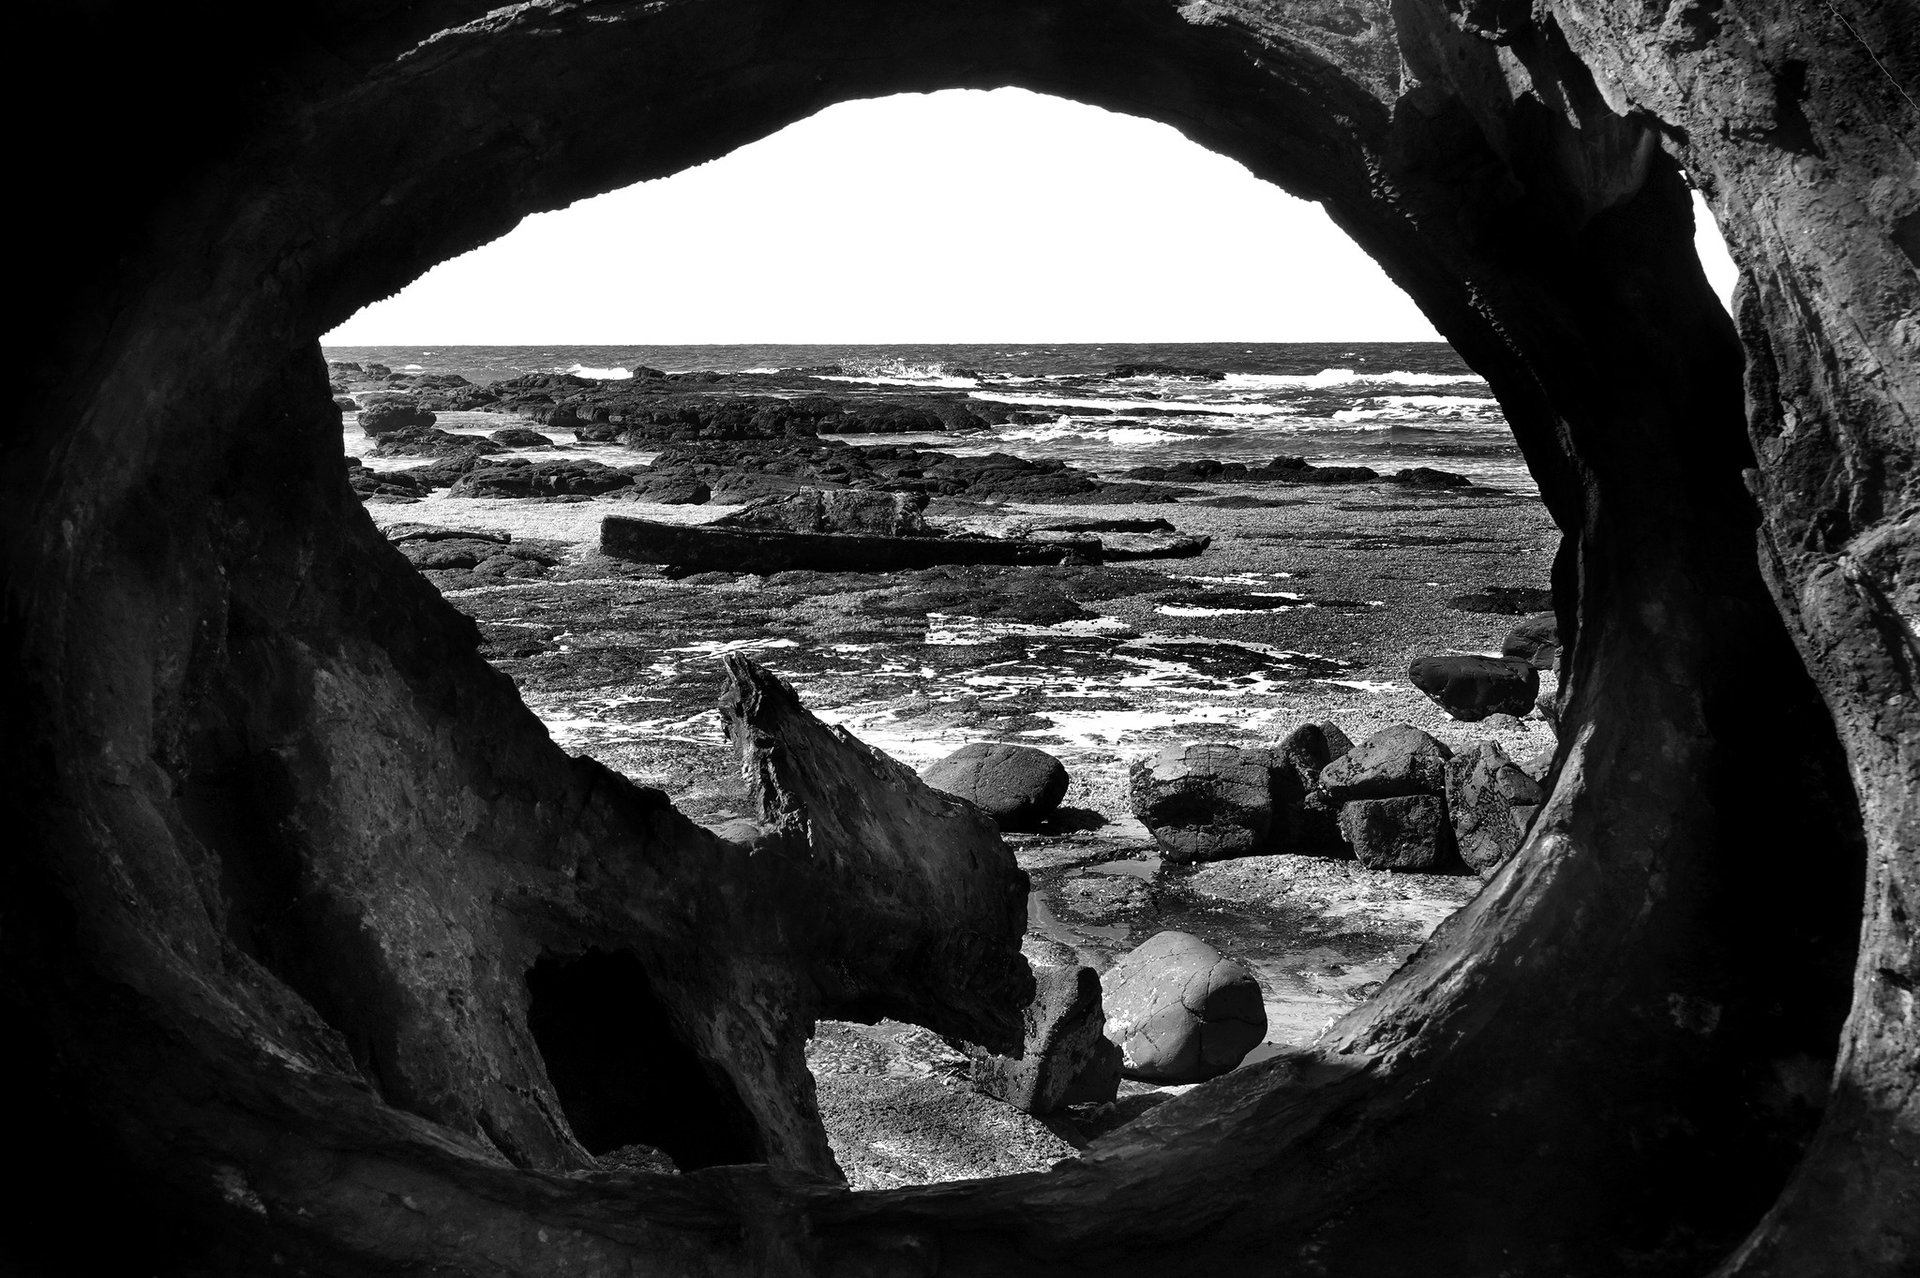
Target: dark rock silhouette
221	685
1470	688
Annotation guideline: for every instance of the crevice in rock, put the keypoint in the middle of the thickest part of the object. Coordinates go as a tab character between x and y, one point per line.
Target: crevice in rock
622	1072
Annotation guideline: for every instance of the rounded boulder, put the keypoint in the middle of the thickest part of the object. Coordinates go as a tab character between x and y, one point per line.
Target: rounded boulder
1180	1011
1018	786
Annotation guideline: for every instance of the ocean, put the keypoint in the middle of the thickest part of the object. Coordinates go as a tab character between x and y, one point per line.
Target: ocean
1384	404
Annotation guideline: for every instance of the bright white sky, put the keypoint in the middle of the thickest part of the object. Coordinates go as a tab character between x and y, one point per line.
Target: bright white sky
960	216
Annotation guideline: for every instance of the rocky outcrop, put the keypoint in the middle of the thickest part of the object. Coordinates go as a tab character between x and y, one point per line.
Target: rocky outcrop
1180	1012
1018	786
205	637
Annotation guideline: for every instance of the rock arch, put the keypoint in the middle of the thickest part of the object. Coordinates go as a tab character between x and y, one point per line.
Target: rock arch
224	689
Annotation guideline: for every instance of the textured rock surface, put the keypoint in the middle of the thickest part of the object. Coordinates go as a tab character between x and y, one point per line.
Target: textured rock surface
1180	1012
1394	761
1204	801
1471	688
1490	802
194	604
1015	785
1407	833
1066	1057
1535	640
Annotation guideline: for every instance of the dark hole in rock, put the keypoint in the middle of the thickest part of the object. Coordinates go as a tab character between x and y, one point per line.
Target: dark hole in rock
620	1069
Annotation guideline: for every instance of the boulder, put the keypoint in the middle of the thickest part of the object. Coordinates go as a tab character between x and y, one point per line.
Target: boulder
1180	1012
1405	833
1535	641
1016	785
1304	819
388	416
1471	688
1490	802
346	403
1066	1057
1396	761
520	437
1204	801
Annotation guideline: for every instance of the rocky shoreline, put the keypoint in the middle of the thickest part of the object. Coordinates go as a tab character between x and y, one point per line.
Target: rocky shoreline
1312	601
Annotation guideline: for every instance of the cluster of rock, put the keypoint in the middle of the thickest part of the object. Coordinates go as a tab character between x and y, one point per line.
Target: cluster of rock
1293	470
1172	1011
1399	800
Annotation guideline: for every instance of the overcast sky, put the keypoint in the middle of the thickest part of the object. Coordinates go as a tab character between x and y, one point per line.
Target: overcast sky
960	216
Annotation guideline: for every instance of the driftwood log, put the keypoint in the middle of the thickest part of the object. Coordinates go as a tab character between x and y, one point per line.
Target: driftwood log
301	899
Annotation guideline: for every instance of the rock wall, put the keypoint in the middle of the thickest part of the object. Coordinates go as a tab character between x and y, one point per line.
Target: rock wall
293	847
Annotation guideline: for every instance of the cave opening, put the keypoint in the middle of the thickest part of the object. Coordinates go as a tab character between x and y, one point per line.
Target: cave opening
623	1073
1594	1035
